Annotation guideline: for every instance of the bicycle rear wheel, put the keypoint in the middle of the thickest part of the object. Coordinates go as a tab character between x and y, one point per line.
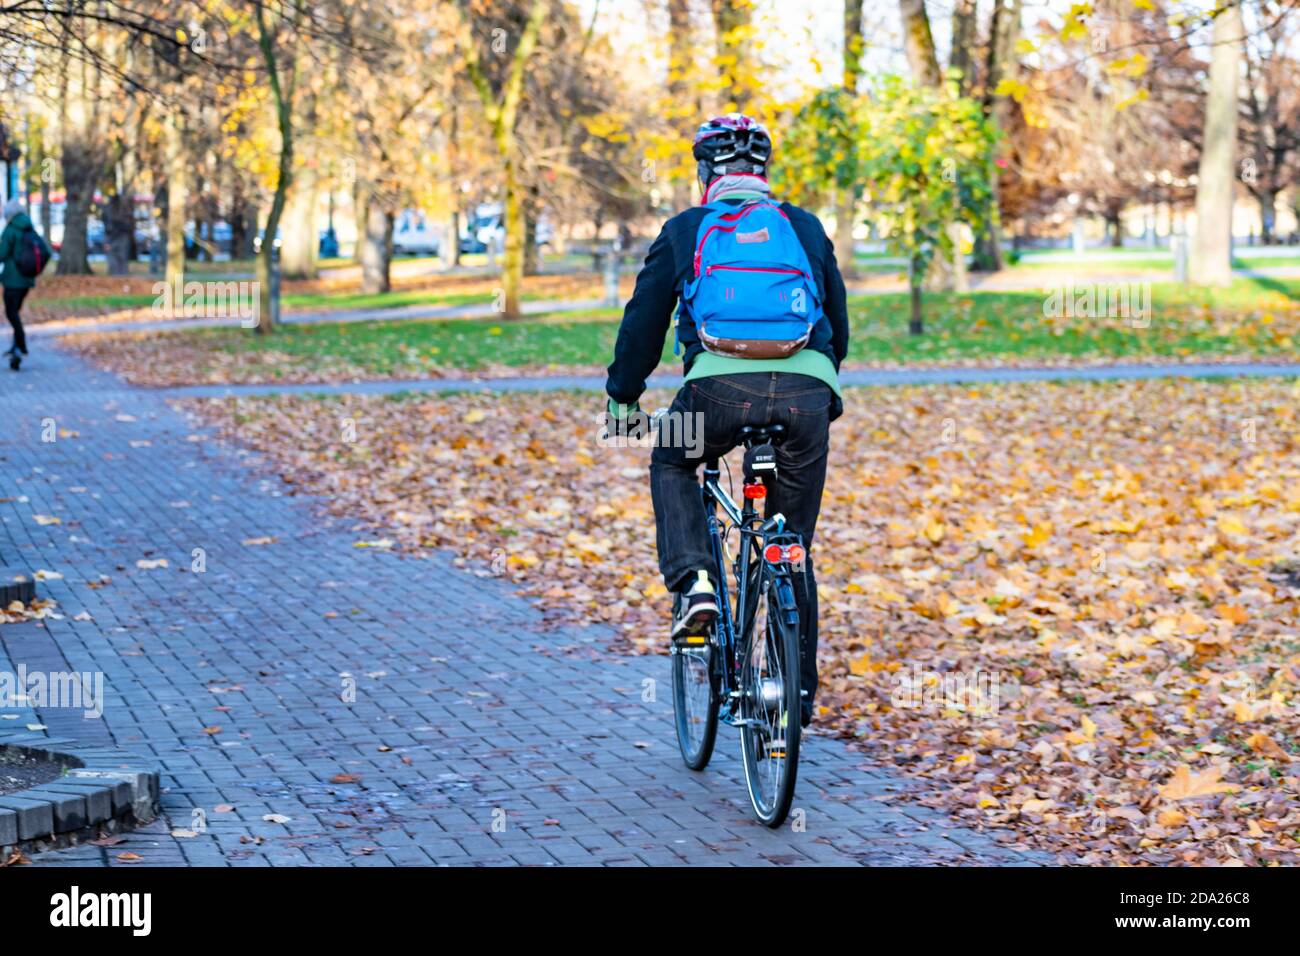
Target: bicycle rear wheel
695	703
769	700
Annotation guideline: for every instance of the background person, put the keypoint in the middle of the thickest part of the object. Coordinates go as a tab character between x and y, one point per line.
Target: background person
21	250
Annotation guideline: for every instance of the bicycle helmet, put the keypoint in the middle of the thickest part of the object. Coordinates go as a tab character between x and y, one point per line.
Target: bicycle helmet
734	143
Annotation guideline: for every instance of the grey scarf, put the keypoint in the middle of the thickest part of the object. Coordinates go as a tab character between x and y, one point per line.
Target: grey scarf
738	185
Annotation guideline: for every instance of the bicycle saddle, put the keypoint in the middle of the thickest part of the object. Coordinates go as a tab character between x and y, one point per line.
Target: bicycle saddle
752	435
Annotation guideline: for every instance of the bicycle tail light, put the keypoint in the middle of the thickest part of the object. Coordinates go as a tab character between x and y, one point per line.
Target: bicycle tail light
781	553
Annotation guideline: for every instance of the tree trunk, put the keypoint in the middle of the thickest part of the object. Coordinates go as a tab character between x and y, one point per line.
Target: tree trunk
681	51
359	214
451	249
845	212
284	120
82	155
532	212
1000	64
957	236
45	207
1267	214
682	95
158	242
1211	262
376	247
504	112
243	221
1115	228
299	248
80	171
915	324
512	277
962	56
202	224
918	43
531	258
177	194
119	231
730	20
852	45
846	196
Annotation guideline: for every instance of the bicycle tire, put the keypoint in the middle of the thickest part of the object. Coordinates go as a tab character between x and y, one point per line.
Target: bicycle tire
696	718
771	730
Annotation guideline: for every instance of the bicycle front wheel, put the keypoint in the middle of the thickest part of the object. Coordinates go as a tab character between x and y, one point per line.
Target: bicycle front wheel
769	701
695	703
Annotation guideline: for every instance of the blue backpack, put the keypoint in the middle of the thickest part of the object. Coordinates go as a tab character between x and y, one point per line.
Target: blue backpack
753	294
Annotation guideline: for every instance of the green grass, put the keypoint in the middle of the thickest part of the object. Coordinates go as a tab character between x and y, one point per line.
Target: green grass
314	301
388	348
1154	260
100	301
319	301
974	326
989	325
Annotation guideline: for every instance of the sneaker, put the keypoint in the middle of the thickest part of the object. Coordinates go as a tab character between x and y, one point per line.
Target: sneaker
695	610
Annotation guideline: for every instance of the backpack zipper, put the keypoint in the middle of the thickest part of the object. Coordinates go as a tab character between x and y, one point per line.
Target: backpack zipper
790	272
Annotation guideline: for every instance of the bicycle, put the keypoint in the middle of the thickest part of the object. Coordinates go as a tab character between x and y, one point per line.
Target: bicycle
745	671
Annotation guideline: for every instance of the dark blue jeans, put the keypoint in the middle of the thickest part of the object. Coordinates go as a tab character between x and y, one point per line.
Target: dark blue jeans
725	404
13	304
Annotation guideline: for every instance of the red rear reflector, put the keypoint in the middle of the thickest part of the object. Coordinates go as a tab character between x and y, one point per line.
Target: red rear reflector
774	553
756	490
795	553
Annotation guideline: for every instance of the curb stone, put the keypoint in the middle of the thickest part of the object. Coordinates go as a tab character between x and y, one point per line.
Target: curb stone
15	585
108	790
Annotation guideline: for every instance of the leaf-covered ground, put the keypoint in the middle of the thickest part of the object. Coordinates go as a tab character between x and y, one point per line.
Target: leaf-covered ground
1070	610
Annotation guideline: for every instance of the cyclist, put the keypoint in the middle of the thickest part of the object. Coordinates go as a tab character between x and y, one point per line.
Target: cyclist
746	362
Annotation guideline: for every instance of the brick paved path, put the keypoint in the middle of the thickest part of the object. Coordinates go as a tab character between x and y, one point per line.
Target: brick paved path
465	712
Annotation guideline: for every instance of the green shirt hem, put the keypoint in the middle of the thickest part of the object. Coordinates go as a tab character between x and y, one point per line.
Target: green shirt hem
807	362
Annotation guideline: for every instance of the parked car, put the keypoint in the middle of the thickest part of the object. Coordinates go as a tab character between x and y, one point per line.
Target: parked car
487	225
413	236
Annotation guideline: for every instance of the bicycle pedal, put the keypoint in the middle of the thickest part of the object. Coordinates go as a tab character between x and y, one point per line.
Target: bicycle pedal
772	749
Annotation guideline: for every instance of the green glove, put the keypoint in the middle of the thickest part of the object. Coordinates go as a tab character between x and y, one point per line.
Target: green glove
625	420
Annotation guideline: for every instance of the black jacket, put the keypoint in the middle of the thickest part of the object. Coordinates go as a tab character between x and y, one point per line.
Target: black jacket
670	262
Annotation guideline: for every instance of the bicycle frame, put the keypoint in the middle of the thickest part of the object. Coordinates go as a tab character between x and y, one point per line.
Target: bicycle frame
755	533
